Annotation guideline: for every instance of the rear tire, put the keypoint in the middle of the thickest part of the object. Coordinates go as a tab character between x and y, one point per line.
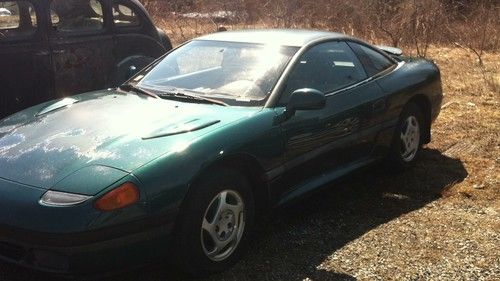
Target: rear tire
407	141
214	226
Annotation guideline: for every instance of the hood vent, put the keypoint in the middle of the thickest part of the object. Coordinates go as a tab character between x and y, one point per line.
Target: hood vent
186	127
57	105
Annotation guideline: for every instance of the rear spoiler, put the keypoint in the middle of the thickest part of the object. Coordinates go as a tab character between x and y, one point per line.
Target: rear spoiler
391	50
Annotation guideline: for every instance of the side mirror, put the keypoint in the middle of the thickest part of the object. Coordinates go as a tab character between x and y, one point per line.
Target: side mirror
305	99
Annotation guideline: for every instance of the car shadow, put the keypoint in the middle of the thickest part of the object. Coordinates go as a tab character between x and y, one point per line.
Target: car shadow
292	241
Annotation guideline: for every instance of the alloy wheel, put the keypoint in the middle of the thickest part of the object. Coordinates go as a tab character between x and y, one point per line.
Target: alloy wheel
410	138
223	225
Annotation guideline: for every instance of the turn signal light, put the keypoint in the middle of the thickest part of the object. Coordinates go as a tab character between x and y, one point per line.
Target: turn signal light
125	195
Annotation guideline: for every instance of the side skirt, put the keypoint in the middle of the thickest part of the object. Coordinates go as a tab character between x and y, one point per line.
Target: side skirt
326	177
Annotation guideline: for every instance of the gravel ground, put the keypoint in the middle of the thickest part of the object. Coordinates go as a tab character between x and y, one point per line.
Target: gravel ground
406	251
439	221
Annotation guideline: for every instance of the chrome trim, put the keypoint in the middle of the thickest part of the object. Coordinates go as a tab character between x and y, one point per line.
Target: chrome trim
400	64
349	87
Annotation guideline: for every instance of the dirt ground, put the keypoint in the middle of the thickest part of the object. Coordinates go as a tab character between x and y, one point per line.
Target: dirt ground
439	221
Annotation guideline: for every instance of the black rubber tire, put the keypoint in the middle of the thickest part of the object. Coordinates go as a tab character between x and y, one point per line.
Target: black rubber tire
189	254
395	161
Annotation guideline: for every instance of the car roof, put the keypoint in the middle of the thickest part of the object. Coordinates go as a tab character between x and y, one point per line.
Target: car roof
285	37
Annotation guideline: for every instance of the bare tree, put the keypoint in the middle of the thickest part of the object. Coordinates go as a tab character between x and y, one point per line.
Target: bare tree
389	18
479	33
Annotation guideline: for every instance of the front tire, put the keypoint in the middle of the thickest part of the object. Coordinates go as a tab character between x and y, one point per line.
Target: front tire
407	141
214	227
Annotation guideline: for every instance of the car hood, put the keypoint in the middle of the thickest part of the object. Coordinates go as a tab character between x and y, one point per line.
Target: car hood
43	145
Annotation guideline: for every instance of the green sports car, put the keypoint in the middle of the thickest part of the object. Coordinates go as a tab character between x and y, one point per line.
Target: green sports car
181	159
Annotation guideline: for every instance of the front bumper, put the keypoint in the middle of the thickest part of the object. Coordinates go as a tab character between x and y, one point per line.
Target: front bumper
76	240
88	252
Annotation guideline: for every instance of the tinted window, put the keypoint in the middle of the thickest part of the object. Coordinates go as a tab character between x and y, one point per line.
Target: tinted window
123	15
327	67
76	15
373	61
17	18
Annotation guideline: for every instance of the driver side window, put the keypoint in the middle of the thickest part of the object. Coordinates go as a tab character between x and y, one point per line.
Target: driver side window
326	67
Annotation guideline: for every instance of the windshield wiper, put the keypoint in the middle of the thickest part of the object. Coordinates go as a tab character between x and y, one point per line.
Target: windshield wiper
178	94
132	88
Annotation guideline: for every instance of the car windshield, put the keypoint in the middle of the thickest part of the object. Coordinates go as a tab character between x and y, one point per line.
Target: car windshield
237	73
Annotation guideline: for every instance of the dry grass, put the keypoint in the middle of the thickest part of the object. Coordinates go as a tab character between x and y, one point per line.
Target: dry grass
469	125
473	24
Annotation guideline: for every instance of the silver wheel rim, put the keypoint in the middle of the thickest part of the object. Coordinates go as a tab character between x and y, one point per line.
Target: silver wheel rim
223	225
410	138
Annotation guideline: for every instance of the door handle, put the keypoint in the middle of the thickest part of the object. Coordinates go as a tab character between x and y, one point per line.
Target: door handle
62	51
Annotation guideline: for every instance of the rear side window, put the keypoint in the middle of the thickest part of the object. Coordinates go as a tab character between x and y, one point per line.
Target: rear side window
76	15
124	15
17	19
373	61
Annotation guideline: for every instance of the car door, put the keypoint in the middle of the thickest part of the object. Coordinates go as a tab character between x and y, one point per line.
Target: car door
25	69
136	44
380	114
319	141
81	45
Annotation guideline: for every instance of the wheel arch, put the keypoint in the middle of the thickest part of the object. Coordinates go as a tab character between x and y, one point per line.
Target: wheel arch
246	164
423	102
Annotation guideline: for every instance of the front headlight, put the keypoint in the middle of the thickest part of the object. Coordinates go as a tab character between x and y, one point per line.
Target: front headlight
62	199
